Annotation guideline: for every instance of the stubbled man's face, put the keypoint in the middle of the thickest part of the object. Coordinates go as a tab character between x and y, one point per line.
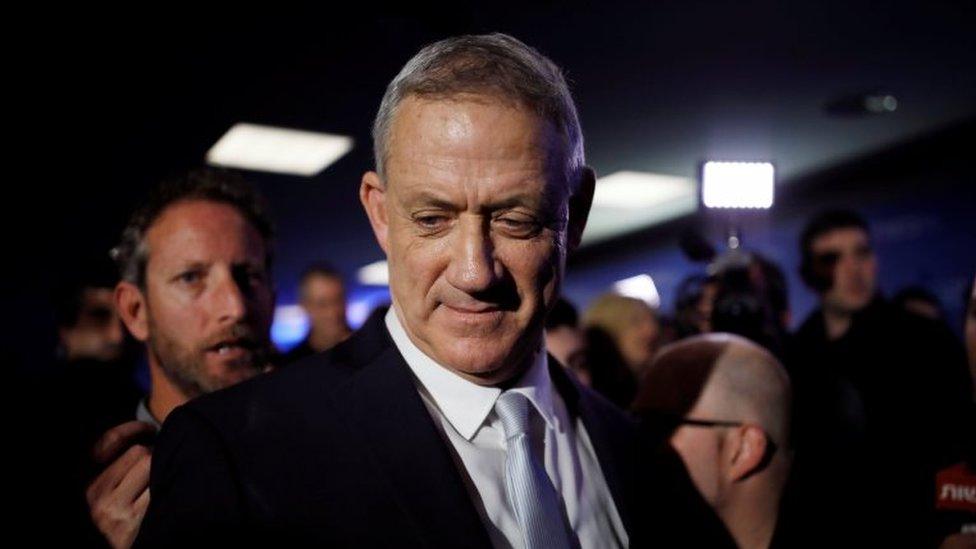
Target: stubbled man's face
208	296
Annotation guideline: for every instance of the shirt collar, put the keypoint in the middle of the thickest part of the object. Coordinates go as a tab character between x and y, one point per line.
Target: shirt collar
464	404
143	414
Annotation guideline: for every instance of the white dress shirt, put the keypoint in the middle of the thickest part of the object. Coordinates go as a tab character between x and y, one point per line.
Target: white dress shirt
465	414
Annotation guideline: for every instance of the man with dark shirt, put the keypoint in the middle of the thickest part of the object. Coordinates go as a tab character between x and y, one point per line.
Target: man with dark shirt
880	397
322	294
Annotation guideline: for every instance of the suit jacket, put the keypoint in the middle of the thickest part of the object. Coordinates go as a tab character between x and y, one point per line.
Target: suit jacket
337	450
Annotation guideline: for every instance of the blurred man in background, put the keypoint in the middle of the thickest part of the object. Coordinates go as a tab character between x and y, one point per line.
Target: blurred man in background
623	334
730	401
196	288
866	375
322	294
88	325
566	341
92	388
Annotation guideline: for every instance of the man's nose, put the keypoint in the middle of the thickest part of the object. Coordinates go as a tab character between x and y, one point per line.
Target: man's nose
472	267
229	300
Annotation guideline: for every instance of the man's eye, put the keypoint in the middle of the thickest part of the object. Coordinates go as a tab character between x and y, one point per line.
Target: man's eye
517	226
190	277
257	277
431	222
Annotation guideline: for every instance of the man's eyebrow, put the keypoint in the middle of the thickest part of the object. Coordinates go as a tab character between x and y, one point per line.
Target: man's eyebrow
427	198
513	201
193	264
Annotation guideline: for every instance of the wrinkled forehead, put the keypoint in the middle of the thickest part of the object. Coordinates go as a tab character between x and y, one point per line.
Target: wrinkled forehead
479	129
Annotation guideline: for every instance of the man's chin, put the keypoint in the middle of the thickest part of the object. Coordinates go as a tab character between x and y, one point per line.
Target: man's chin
223	374
484	368
226	379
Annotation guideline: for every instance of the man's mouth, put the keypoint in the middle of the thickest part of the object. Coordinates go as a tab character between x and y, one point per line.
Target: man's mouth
233	348
473	309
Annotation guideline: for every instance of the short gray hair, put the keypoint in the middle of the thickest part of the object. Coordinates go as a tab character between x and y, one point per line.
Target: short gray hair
496	65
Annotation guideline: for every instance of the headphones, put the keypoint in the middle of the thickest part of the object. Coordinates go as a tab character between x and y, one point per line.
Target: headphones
817	272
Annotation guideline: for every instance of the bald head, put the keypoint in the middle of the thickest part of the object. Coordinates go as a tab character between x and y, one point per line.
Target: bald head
737	453
719	377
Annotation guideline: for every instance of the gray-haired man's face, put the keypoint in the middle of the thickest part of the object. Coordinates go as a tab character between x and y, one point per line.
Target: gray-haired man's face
473	217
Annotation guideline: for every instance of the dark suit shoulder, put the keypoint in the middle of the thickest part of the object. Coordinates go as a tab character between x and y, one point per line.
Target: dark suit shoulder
288	393
191	466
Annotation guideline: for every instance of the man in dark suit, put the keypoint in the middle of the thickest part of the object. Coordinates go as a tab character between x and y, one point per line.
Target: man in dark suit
442	423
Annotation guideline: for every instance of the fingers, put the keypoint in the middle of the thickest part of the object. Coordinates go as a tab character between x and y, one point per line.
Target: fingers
119	497
118	438
125	534
104	484
136	480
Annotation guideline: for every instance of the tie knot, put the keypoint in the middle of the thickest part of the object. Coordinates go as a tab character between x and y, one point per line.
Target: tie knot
514	411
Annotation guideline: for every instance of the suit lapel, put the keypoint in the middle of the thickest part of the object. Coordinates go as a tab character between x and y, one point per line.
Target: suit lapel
612	435
380	402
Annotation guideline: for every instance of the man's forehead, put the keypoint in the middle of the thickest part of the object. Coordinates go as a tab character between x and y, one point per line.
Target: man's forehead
469	127
841	238
196	228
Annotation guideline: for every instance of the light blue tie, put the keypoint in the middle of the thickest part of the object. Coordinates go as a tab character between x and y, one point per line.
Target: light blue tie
538	508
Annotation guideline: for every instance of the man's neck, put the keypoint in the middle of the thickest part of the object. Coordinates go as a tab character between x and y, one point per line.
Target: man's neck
164	395
751	518
836	323
325	340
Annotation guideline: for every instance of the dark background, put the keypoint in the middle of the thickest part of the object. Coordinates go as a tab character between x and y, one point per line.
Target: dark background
116	98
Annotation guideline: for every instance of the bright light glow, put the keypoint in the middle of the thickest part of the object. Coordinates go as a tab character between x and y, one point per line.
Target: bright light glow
638	190
358	311
374	274
629	201
879	104
639	287
290	326
737	184
277	150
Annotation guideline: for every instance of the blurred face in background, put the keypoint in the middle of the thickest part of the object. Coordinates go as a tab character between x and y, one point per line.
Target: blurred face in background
97	332
208	302
638	341
568	345
705	306
854	268
324	300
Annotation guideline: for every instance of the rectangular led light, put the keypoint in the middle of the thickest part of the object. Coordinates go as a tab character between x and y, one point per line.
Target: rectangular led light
277	150
737	184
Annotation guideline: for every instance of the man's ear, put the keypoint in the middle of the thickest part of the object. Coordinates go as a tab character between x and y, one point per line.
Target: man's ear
579	207
372	193
130	302
749	448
